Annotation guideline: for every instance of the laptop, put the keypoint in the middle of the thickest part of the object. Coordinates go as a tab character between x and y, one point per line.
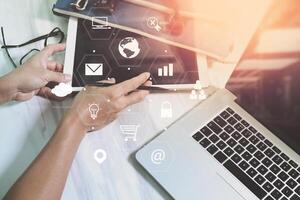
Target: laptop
218	150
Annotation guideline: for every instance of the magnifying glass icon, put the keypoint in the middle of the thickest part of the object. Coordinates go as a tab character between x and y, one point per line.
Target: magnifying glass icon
152	22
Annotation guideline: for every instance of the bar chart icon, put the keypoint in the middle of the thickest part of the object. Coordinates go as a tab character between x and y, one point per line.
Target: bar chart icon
166	70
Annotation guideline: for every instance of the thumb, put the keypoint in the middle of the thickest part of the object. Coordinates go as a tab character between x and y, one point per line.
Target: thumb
58	77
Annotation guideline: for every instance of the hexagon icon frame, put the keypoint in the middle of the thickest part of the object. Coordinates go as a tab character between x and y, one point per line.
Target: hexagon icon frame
146	156
146	51
90	97
114	31
93	55
159	57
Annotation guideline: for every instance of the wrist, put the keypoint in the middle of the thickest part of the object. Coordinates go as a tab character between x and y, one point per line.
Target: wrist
72	121
8	88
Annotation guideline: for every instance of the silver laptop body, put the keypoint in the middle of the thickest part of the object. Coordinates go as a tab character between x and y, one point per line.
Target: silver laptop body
189	167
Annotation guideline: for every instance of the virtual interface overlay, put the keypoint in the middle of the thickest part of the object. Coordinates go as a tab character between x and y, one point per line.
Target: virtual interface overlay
103	52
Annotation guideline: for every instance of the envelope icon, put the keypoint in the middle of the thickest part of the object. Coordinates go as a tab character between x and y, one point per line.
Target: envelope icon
93	69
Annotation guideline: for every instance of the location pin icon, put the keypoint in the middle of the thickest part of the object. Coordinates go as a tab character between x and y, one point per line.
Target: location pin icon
100	156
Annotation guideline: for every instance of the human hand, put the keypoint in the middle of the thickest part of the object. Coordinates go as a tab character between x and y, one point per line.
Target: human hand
32	77
109	100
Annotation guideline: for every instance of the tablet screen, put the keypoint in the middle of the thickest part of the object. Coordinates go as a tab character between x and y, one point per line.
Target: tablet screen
102	52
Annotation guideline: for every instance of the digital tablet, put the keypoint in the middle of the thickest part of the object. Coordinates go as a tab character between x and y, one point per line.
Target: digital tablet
98	52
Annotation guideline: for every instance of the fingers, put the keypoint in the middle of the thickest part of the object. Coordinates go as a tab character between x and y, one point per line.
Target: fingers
23	96
131	84
57	77
54	66
111	80
148	83
52	49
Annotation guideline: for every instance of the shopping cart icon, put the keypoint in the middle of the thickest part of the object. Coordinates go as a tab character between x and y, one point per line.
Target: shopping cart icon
129	131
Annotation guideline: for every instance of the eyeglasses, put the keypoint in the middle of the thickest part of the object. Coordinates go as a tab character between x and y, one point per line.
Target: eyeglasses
56	32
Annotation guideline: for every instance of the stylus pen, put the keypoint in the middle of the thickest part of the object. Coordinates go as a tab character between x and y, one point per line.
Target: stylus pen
150	88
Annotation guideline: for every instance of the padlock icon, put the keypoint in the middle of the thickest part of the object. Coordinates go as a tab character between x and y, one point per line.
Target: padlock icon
166	110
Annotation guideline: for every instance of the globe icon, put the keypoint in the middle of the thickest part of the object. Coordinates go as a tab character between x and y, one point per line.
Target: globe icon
129	47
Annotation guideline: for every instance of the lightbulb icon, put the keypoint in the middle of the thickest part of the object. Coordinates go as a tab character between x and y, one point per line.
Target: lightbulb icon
94	109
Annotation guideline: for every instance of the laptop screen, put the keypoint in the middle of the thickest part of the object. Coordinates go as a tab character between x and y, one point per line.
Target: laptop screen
267	79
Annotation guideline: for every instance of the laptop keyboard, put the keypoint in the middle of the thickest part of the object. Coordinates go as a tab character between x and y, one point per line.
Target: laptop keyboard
262	167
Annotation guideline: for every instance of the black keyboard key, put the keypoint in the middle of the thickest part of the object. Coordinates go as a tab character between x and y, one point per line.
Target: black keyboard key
267	162
291	183
239	149
269	153
295	165
251	148
225	115
214	138
284	156
244	165
268	142
212	149
229	129
262	169
287	192
220	121
214	127
285	166
261	146
293	173
254	162
224	136
236	116
298	180
276	194
206	131
246	155
268	187
254	139
246	133
198	136
277	159
284	198
230	111
269	198
231	142
246	124
278	184
244	178
236	158
221	157
236	135
297	190
243	142
275	169
239	127
252	129
276	149
270	176
259	179
228	151
205	142
251	172
260	136
232	121
283	176
221	145
295	197
259	155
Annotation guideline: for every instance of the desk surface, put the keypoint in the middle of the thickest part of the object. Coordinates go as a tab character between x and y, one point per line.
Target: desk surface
27	126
